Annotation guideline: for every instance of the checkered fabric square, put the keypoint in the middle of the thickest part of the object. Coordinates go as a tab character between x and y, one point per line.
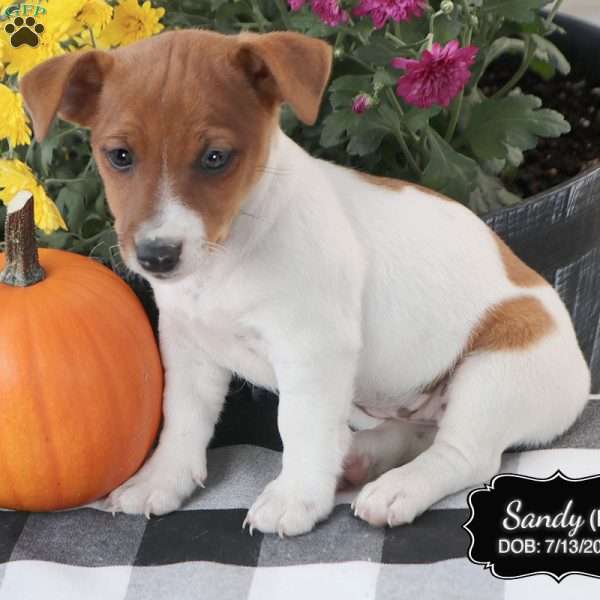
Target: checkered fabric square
201	552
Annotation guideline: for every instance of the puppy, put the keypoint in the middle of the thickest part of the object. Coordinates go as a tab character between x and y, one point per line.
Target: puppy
359	299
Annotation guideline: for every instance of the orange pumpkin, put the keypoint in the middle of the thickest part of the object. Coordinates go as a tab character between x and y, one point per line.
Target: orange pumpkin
80	384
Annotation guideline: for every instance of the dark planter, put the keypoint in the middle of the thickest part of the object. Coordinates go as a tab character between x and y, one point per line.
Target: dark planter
556	232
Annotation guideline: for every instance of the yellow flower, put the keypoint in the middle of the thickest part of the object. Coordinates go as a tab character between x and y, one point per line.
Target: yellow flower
1	59
94	14
13	121
15	177
131	23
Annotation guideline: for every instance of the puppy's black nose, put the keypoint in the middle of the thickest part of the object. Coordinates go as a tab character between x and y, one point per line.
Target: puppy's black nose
158	256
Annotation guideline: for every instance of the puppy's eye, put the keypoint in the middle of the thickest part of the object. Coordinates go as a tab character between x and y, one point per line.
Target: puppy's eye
215	160
120	158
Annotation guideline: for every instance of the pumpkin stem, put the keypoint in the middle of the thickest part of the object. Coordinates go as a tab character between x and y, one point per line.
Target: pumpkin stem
22	267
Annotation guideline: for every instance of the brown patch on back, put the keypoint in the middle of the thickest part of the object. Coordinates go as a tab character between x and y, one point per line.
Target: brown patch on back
516	270
511	325
387	182
399	184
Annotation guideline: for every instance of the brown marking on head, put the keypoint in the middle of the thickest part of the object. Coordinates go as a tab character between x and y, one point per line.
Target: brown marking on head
516	270
169	99
399	185
511	325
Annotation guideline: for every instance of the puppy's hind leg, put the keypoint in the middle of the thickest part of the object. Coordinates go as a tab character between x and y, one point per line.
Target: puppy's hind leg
391	444
496	399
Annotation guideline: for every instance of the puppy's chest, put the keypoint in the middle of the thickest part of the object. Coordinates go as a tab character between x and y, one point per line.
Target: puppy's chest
216	319
234	346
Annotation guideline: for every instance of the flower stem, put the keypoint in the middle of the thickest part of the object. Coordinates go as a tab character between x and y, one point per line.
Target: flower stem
514	80
22	261
456	108
284	14
454	116
397	130
396	40
76	179
258	15
92	37
553	12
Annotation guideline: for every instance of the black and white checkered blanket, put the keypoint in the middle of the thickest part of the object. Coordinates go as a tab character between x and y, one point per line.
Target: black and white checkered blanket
201	552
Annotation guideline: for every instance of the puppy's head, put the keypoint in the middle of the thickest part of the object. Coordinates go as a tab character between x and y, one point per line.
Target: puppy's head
181	127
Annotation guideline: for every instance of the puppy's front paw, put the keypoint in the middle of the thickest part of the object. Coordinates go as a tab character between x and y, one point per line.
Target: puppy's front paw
156	489
392	499
283	510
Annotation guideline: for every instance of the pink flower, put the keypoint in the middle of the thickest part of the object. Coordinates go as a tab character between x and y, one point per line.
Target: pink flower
296	4
362	103
383	10
329	11
438	77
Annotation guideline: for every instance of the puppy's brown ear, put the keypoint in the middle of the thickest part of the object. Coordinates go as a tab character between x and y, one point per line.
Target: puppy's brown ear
287	67
67	85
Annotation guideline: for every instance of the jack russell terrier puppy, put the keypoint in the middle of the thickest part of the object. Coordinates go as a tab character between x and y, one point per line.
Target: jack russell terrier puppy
362	300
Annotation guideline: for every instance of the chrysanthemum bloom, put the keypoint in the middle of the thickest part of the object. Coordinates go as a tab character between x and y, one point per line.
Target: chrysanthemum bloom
438	77
382	11
131	23
94	15
15	177
296	4
330	12
13	122
362	103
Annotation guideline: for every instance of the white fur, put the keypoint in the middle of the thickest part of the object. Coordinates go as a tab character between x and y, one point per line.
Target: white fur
333	290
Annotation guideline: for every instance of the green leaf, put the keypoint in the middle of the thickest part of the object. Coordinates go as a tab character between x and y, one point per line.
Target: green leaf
522	11
542	69
447	27
415	119
388	116
289	121
216	4
376	53
547	52
383	78
91	226
366	142
461	178
448	171
341	99
352	83
335	126
47	153
517	121
503	45
367	134
490	194
67	198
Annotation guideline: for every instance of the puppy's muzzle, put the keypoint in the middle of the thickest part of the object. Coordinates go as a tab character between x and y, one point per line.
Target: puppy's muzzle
159	256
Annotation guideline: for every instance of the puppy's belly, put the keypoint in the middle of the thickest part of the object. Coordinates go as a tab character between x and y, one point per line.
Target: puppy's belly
423	409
